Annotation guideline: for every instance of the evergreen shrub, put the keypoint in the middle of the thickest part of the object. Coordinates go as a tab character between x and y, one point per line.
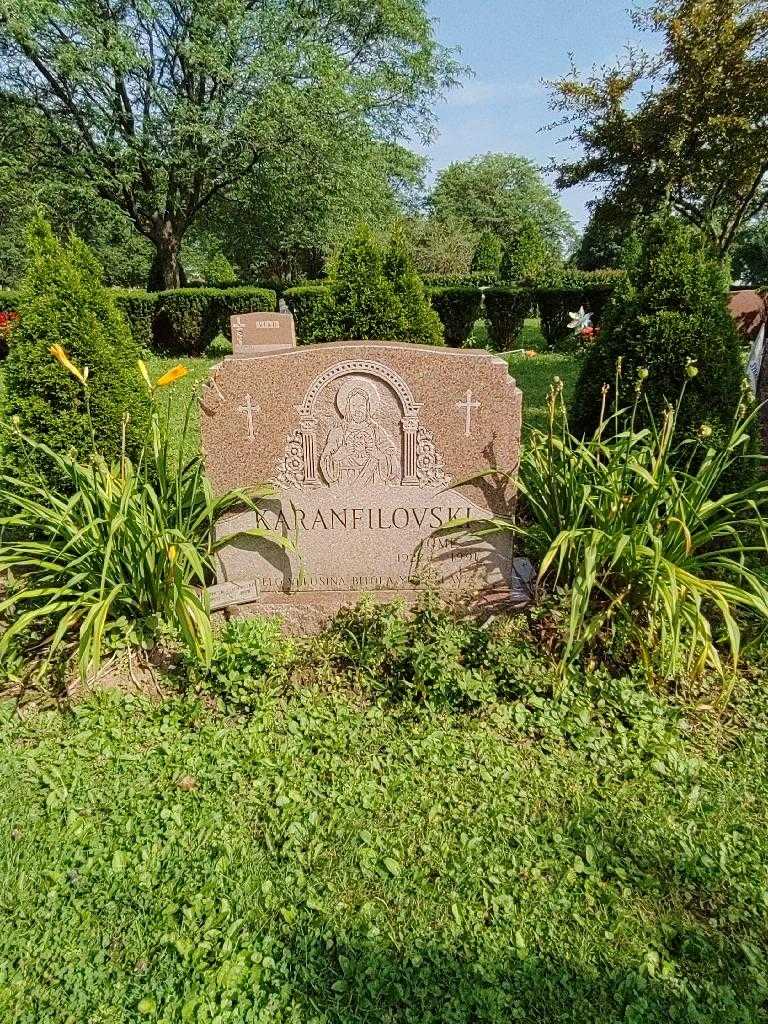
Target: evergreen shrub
458	309
229	302
528	256
488	254
422	324
363	301
184	321
63	302
479	280
188	319
218	348
138	308
505	311
311	308
669	311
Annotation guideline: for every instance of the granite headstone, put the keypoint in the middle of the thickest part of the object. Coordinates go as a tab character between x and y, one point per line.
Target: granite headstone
255	333
371	448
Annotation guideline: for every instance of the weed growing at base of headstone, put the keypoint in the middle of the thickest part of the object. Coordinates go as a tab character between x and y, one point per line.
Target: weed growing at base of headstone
249	657
430	655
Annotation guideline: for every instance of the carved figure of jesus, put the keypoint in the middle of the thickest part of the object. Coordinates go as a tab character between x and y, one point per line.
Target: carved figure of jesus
358	450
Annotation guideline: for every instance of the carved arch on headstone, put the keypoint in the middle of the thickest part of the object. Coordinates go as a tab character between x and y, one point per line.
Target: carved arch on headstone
421	463
395	381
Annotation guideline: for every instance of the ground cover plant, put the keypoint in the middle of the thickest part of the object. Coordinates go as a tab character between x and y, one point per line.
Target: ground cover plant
332	856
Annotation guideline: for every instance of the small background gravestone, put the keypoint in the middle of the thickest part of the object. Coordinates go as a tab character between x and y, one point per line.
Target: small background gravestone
255	333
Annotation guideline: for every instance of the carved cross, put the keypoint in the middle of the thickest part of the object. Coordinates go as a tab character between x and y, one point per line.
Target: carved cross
467	406
250	411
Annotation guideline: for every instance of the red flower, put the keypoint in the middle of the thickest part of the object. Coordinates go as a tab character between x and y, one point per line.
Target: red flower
7	320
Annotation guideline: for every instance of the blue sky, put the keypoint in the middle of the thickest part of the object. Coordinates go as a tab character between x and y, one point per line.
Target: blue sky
511	45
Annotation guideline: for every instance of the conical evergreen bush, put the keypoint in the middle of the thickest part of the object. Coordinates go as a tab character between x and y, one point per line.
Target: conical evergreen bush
64	302
669	318
422	324
362	302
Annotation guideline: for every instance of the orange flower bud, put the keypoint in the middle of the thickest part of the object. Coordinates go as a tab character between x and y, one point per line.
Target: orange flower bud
172	376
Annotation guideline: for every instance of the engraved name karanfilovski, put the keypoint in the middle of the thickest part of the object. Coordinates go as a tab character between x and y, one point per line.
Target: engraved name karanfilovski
359	426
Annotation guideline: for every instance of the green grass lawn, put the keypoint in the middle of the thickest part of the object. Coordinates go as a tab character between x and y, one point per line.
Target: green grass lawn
328	861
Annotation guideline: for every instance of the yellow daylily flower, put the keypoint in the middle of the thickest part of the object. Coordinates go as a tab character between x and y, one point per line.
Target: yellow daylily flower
145	374
171	376
61	357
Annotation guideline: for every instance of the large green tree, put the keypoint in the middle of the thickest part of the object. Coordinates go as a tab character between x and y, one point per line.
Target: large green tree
500	192
749	259
684	124
305	201
163	105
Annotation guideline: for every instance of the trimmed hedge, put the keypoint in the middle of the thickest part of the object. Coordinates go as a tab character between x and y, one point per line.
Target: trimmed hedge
478	280
186	320
568	292
310	305
138	308
458	309
505	311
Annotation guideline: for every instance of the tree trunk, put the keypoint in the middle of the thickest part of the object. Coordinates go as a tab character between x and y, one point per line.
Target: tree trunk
166	271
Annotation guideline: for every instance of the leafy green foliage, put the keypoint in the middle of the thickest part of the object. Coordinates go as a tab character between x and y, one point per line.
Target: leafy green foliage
363	303
138	308
528	255
422	324
681	124
250	656
122	547
442	247
506	310
458	309
501	193
301	203
749	258
169	107
634	523
312	311
187	319
62	301
488	254
671	309
602	244
428	656
218	348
